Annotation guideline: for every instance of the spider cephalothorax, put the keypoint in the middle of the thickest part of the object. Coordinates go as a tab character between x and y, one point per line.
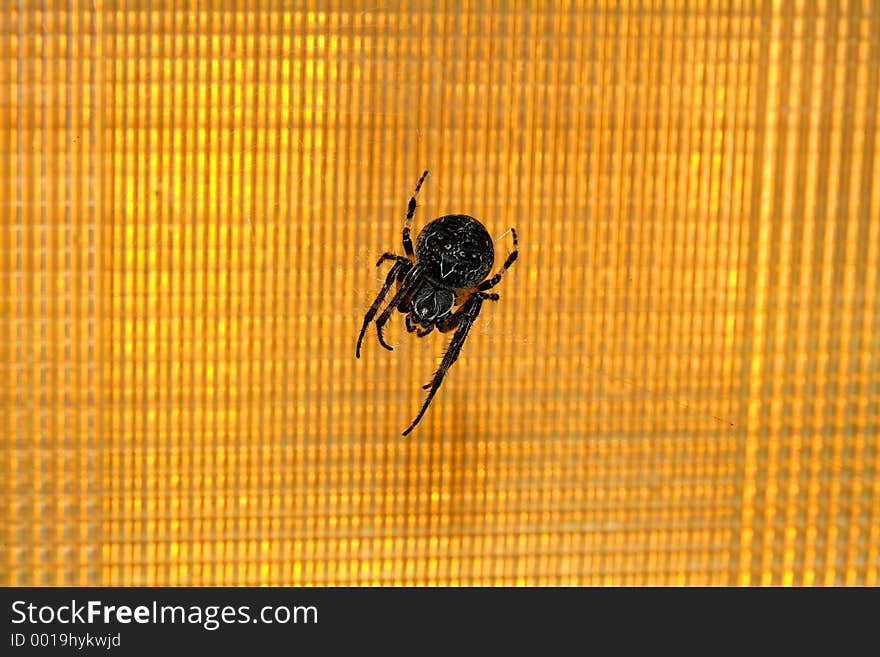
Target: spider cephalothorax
450	262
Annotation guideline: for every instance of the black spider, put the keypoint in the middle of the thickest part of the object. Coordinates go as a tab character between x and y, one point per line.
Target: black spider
452	257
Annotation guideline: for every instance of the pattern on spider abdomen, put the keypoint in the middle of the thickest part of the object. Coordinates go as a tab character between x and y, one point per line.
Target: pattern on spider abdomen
456	251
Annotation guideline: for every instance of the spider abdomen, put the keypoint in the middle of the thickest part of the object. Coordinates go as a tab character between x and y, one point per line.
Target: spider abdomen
455	251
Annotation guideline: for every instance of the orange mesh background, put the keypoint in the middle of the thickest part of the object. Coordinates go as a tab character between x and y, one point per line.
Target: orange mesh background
679	384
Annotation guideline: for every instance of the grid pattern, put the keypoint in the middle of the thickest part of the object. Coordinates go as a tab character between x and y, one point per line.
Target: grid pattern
679	384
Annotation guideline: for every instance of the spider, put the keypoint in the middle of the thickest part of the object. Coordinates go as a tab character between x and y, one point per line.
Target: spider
452	257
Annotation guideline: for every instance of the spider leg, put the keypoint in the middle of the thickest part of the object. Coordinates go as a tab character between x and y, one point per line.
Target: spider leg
399	268
492	282
463	319
392	256
453	321
407	289
410	211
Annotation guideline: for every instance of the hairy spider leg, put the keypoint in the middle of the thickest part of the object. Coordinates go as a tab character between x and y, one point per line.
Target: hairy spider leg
408	288
492	282
392	256
410	212
462	319
452	322
397	272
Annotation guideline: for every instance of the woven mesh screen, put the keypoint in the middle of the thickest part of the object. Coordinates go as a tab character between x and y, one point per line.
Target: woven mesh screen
678	385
